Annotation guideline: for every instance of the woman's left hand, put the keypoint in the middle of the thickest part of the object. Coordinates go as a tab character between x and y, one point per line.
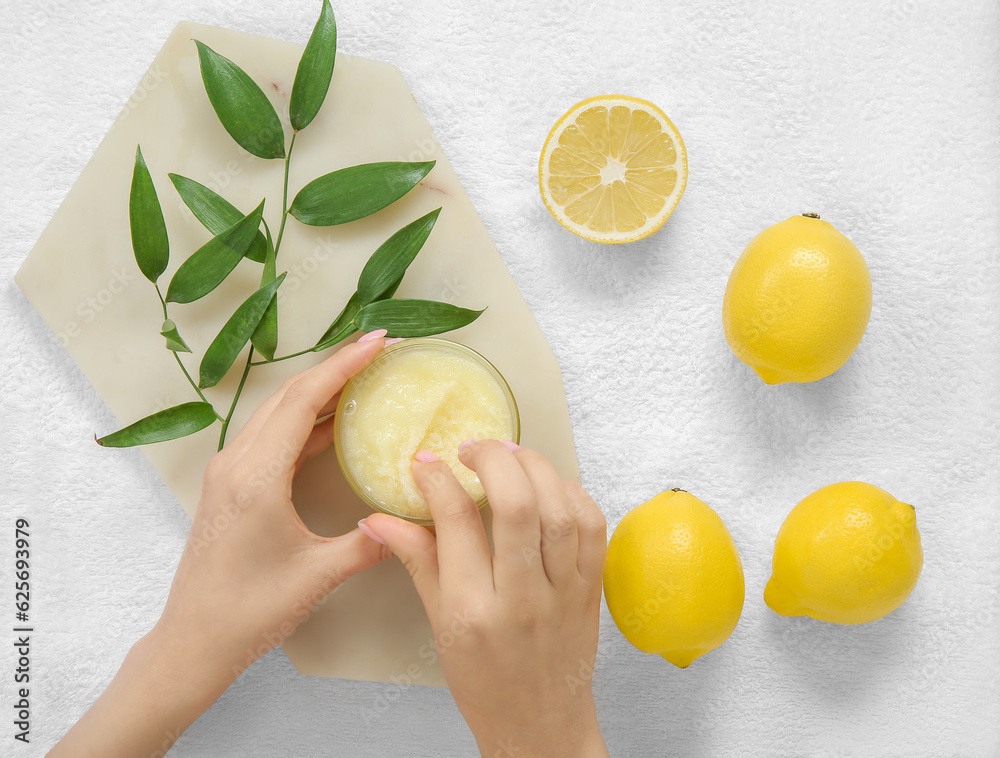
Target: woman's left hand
251	571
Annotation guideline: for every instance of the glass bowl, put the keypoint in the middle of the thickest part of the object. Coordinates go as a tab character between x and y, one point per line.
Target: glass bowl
399	385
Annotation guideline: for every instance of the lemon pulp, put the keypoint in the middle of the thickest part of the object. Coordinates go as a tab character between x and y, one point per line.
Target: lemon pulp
613	169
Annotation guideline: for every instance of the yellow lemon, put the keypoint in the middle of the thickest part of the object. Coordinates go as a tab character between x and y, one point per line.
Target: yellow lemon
798	301
849	553
613	169
673	578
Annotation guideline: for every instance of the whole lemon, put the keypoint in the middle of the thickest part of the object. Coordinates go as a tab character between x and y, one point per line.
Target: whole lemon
849	553
798	301
673	578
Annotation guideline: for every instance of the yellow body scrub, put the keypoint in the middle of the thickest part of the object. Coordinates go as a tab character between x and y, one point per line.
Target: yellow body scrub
419	394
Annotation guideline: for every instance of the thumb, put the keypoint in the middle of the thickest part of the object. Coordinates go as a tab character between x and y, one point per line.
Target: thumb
342	557
416	547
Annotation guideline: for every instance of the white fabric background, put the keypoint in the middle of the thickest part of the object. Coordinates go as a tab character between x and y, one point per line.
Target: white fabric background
883	117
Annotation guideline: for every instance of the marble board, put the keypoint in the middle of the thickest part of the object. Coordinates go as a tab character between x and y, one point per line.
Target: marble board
83	280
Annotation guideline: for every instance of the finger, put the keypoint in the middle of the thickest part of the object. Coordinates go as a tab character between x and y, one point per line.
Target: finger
284	433
320	439
416	548
517	530
242	441
592	531
330	407
239	444
336	559
556	516
463	552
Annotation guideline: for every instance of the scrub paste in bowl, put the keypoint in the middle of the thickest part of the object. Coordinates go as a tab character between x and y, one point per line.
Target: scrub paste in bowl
419	394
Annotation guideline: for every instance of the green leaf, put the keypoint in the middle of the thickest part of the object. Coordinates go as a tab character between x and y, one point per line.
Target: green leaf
215	212
342	321
312	79
149	232
265	336
355	192
226	347
388	264
392	290
241	105
210	264
174	340
169	424
347	316
413	318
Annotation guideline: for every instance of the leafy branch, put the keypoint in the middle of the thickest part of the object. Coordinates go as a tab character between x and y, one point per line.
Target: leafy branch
339	197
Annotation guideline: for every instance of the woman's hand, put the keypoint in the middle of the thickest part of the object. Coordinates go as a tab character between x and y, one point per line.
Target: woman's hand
250	573
517	631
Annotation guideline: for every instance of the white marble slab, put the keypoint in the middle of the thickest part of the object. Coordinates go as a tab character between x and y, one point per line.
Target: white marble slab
83	280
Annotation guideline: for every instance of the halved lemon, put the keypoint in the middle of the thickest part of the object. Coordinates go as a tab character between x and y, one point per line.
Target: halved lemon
613	169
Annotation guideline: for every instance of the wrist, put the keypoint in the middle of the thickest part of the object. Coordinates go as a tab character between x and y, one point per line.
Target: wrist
160	689
188	667
578	737
586	747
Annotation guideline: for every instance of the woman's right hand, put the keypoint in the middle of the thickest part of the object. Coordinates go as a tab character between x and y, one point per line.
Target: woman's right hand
516	632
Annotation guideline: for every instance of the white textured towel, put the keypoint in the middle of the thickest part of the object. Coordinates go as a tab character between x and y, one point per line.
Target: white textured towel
883	117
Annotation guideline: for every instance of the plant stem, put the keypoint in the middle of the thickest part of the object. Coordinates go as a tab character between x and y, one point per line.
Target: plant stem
177	358
267	231
192	381
342	335
277	244
283	358
236	399
284	196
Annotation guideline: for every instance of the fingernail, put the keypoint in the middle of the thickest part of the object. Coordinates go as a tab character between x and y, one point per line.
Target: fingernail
369	533
374	335
425	456
394	340
466	444
512	446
